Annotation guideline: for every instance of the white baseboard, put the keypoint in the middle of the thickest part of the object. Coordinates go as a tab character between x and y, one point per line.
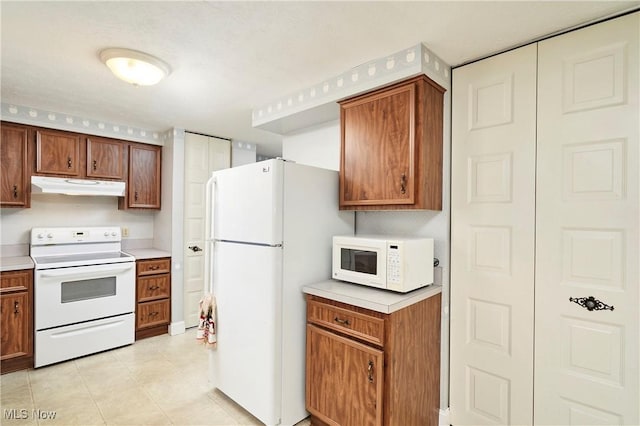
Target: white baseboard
444	417
176	328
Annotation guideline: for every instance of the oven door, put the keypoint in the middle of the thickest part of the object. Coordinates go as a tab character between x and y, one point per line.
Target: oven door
82	293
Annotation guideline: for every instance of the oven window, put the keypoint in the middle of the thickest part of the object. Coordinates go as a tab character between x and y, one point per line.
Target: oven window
74	291
362	261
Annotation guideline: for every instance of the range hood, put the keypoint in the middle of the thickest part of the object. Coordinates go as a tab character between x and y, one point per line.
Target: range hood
54	185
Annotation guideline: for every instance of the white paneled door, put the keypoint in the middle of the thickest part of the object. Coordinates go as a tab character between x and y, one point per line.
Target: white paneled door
586	358
545	250
203	155
492	241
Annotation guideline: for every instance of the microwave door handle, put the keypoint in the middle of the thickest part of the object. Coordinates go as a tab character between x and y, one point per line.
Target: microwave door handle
57	273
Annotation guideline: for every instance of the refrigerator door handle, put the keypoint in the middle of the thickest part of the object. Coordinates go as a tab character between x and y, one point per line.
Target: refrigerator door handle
209	231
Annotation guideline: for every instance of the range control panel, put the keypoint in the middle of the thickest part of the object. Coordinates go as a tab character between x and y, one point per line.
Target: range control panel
60	235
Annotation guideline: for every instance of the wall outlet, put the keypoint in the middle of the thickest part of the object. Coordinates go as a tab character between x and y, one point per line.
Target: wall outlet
125	231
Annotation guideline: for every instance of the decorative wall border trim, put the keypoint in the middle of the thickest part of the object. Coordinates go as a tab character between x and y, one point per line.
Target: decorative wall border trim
406	63
61	121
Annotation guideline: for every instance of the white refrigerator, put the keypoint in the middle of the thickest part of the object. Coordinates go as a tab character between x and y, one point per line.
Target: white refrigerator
270	233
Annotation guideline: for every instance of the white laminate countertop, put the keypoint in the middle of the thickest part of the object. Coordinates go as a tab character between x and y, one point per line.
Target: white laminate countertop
15	263
147	253
368	297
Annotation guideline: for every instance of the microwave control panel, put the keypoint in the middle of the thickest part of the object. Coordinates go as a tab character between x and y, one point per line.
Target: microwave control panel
394	271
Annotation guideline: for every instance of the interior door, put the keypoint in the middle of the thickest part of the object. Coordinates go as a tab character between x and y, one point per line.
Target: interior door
492	240
587	364
203	155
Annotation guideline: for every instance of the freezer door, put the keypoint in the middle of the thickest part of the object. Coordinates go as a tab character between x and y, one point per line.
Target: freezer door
247	203
246	362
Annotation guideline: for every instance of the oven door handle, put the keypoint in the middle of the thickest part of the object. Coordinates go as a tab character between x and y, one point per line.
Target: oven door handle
73	272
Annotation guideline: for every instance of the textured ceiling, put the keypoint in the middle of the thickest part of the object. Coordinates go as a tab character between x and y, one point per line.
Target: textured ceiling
230	57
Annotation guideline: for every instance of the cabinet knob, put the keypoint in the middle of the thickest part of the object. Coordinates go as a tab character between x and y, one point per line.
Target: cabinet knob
16	307
154	267
95	165
135	196
154	287
69	162
15	191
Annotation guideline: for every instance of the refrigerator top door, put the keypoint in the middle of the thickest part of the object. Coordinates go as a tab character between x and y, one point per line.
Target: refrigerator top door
247	203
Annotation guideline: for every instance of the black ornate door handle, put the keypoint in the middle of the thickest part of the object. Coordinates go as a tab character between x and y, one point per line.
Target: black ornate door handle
591	303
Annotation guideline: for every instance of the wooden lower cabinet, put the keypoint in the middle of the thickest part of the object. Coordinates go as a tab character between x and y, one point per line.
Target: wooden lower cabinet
368	368
16	320
153	297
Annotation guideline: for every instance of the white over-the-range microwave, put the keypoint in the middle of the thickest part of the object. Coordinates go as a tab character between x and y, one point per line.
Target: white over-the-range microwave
399	264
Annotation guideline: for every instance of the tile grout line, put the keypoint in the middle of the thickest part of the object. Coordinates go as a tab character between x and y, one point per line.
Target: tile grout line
33	399
84	382
144	391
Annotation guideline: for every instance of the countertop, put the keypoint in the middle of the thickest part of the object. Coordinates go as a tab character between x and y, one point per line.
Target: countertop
15	263
147	253
368	297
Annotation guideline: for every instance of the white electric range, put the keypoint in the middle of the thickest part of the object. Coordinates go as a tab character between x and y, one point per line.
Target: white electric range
84	288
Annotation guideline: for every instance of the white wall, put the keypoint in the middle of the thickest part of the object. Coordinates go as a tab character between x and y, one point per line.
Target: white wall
69	210
169	221
320	146
242	153
317	146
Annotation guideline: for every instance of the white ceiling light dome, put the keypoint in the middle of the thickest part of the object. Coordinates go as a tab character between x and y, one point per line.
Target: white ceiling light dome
132	66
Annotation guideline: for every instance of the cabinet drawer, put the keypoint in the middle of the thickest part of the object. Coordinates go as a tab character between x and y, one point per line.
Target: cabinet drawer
153	287
361	326
153	313
154	266
16	281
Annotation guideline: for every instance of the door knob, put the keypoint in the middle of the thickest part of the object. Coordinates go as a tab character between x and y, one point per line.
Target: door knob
591	303
195	249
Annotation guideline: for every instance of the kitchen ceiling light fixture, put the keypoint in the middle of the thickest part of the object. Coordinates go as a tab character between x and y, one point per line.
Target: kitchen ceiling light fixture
132	66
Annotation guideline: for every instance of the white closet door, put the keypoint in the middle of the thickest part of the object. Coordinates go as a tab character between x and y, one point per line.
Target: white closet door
203	155
492	242
586	362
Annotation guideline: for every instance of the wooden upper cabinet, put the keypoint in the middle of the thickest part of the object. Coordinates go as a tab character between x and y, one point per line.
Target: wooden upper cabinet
58	153
14	185
105	158
144	176
391	148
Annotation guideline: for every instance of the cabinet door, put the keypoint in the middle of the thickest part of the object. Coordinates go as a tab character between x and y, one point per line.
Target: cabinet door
378	148
105	158
14	312
144	176
14	175
344	380
57	153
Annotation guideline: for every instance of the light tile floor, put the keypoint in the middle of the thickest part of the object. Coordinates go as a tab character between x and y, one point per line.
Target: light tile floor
156	381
